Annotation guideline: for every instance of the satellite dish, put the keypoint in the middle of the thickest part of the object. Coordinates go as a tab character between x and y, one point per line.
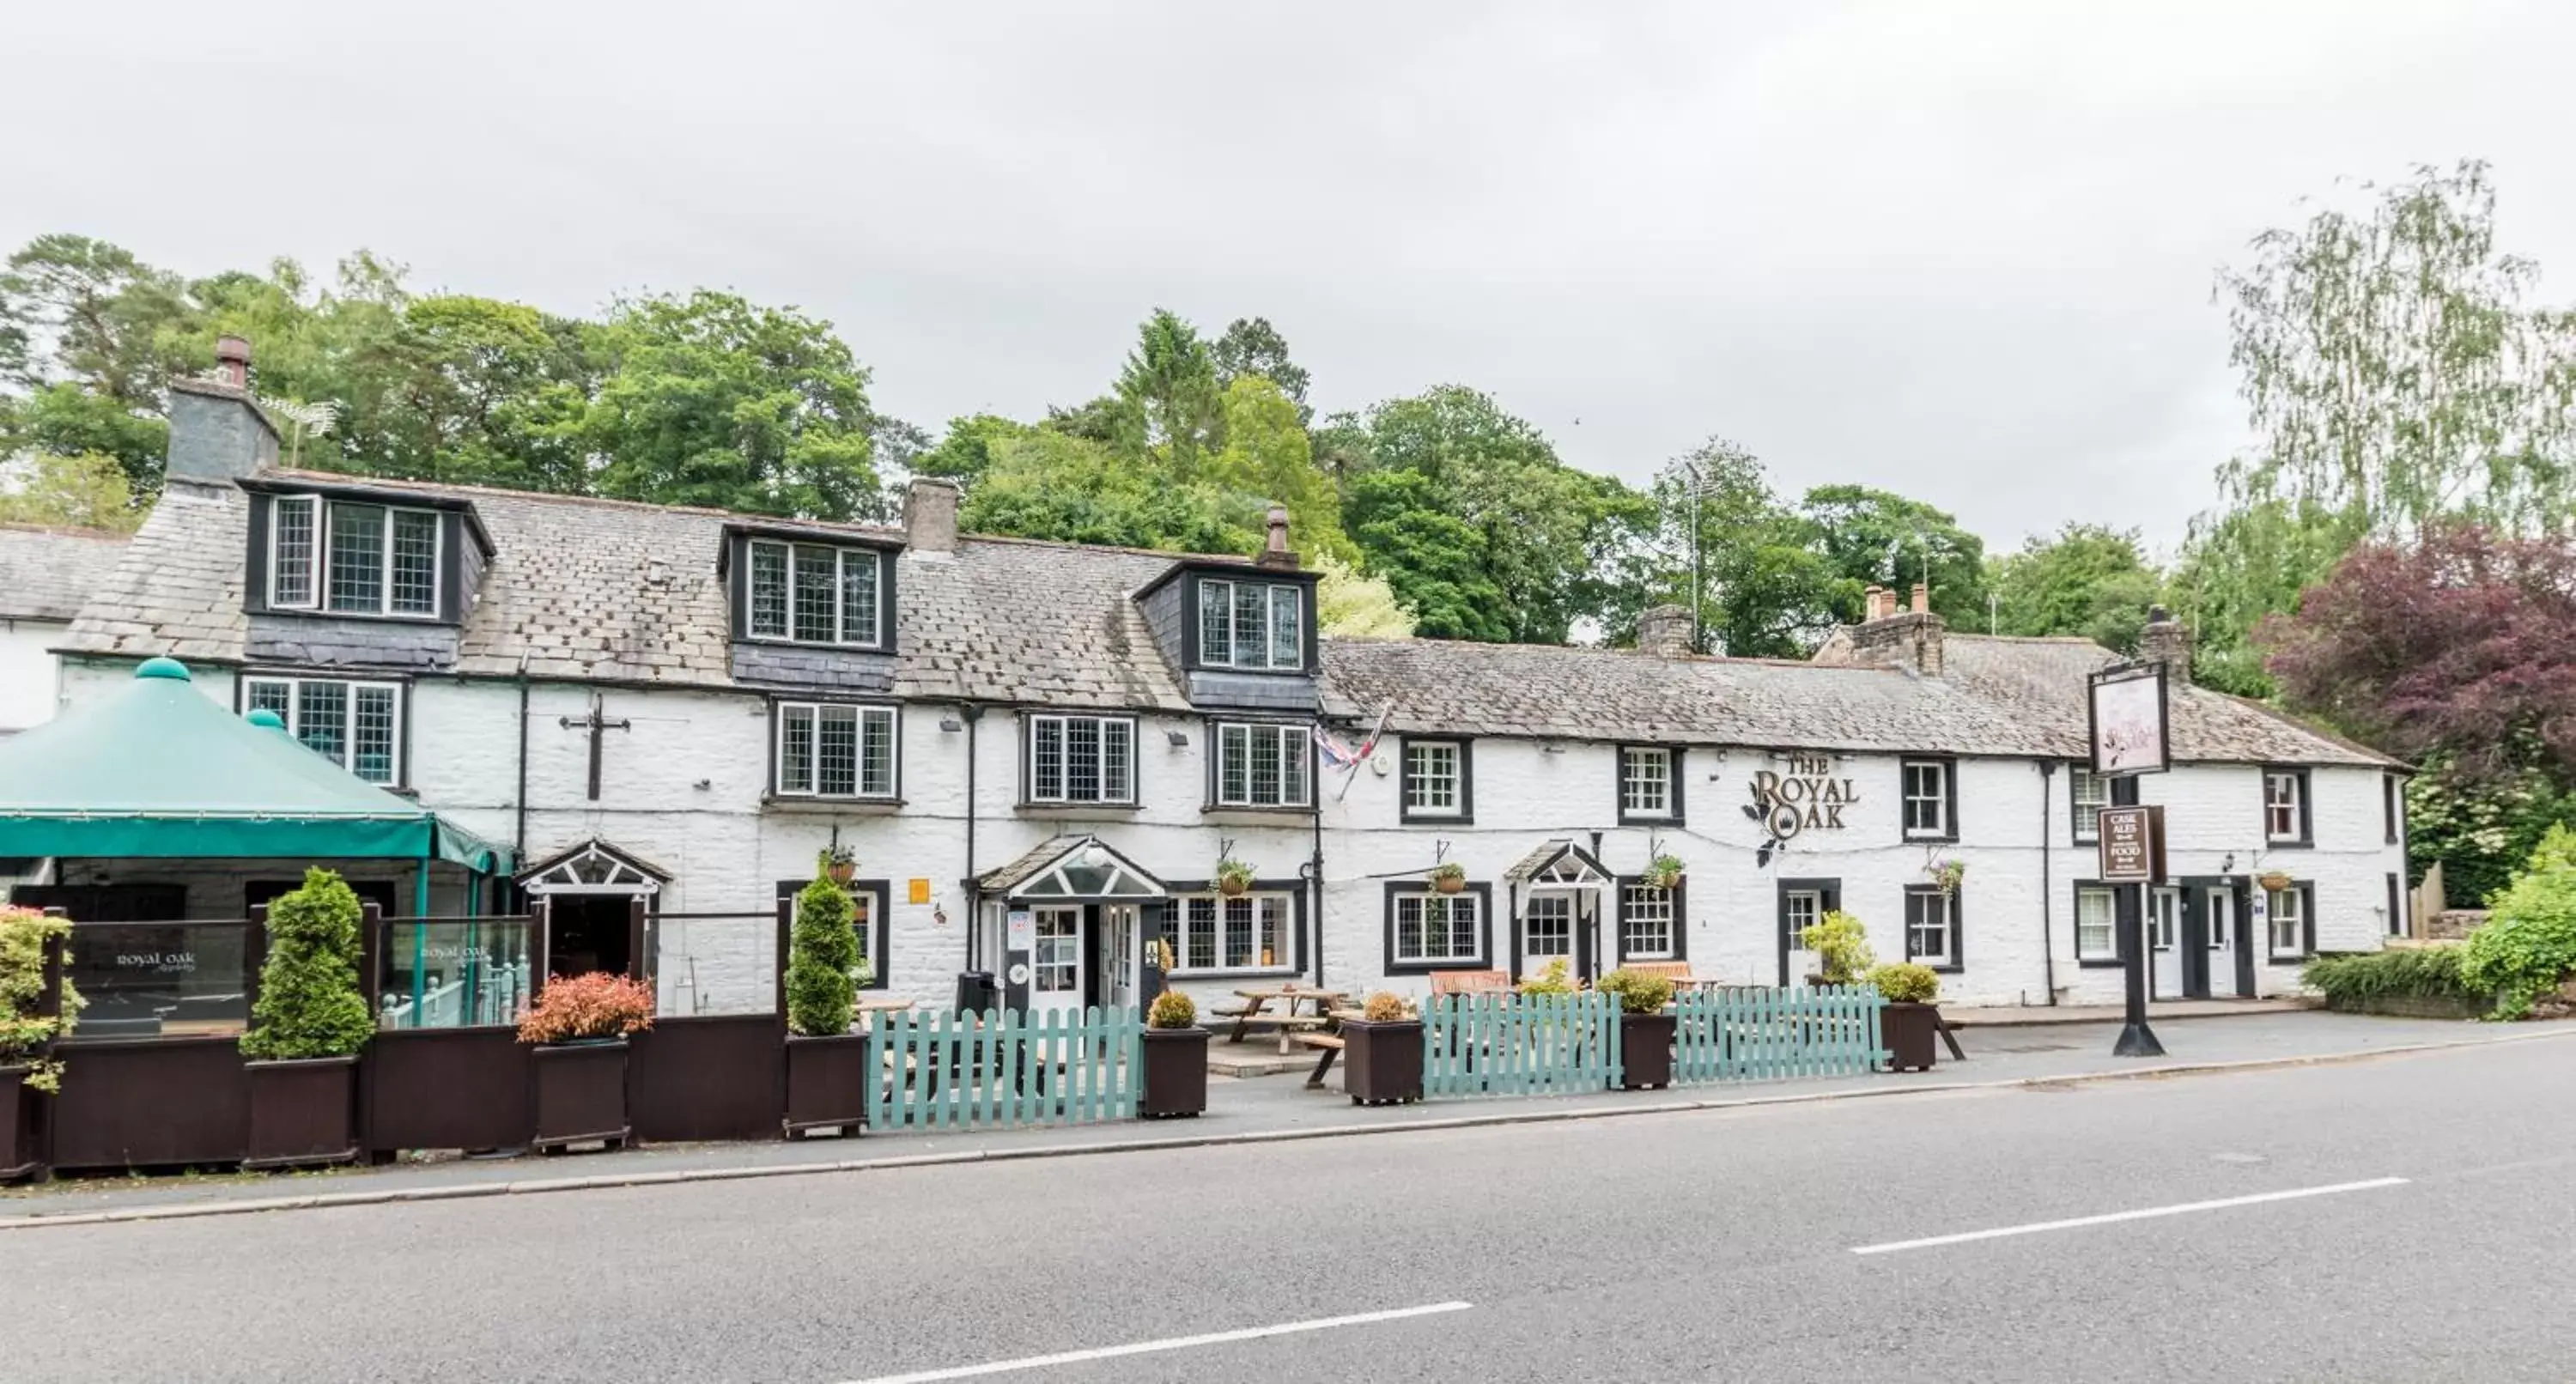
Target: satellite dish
1382	764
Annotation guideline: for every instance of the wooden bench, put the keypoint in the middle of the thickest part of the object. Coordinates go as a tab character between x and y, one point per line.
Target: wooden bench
1331	1047
1470	983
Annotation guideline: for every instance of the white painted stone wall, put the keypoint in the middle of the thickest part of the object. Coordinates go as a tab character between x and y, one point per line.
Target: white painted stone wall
29	684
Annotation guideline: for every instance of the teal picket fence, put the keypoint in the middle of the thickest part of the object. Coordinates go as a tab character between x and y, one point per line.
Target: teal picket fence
941	1069
1758	1033
1519	1045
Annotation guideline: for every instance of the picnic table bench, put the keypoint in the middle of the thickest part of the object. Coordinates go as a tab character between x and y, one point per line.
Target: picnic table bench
1255	1010
1330	1045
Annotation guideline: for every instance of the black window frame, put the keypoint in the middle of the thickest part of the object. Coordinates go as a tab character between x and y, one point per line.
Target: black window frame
402	688
2075	831
1958	916
1481	891
744	596
2392	810
2307	836
1674	757
1949	767
1405	810
880	919
1216	727
1193	640
2306	890
1029	763
1680	890
778	707
2075	920
447	561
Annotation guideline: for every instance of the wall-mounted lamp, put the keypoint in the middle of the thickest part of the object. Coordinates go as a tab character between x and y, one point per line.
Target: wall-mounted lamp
1551	747
1177	739
951	724
2228	866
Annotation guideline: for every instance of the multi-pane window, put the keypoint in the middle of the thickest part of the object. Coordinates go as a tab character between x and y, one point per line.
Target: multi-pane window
2285	805
356	725
1931	927
815	593
1057	957
2092	793
1261	765
832	750
1648	923
1433	778
1082	759
1252	625
1927	797
2096	935
1247	933
352	559
1804	907
1547	928
2289	922
1437	929
1645	783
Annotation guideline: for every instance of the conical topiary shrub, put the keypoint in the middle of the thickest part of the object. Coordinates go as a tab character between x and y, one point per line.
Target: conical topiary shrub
822	955
309	1001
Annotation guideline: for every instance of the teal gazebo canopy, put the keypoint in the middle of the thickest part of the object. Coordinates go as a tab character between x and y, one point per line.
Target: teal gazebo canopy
160	770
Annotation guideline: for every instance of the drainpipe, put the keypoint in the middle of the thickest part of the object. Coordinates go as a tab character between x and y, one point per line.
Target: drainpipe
1315	890
2047	890
520	843
973	715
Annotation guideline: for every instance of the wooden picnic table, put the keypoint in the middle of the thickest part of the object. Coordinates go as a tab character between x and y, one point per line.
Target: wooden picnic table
868	1004
1287	1020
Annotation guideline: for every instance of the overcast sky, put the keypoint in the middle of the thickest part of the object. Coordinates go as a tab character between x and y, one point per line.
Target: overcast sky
1959	250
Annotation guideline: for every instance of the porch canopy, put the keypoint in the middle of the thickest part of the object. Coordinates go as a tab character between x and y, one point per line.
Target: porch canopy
160	770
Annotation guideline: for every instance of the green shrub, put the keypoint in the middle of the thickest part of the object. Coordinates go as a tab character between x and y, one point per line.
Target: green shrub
1903	982
309	1001
1639	992
26	934
1841	944
2431	973
1557	979
2529	941
822	962
1172	1009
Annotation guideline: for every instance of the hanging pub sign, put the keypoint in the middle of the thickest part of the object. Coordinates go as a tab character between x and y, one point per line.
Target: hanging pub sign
2130	733
2133	845
1806	796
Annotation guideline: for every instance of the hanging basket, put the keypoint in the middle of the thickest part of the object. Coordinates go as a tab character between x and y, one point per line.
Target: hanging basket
1448	884
1233	886
2274	880
841	871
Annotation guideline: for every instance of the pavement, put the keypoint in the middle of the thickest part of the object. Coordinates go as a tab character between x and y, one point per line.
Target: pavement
1255	1109
2359	1220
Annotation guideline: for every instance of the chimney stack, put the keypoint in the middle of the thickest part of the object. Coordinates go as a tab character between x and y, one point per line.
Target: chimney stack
1276	553
930	515
1875	604
216	432
1665	631
2167	641
1888	636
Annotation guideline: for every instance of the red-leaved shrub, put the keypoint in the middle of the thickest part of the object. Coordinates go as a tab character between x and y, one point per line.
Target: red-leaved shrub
591	1005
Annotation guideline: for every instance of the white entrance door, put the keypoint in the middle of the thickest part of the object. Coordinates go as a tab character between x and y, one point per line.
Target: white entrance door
2220	904
1120	979
1547	931
1805	908
1056	960
2164	940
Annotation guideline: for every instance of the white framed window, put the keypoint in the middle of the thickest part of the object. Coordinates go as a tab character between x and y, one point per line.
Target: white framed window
1805	907
2288	922
2285	805
1437	930
1649	923
1927	797
2096	923
1434	778
1251	933
356	725
815	593
1252	625
1645	782
351	558
1082	759
1932	928
2091	793
1547	927
835	750
2164	917
1261	765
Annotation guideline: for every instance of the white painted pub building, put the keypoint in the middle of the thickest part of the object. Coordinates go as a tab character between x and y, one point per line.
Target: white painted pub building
1040	752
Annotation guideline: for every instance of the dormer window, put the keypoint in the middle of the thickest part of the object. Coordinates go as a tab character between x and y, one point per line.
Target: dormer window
816	593
351	558
1254	626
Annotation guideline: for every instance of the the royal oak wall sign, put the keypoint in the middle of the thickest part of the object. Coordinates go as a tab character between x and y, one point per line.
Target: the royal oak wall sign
1805	795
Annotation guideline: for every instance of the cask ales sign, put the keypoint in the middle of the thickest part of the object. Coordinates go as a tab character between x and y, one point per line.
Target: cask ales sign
2133	845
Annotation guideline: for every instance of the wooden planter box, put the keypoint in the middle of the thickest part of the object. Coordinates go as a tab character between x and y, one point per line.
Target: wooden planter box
1382	1062
1911	1032
1175	1073
22	1127
1646	1051
827	1082
303	1113
581	1094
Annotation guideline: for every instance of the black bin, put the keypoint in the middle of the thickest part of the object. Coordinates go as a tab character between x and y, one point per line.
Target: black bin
977	992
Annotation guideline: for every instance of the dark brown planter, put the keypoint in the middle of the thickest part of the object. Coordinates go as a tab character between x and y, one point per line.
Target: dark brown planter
1646	1051
22	1123
1175	1073
1382	1062
827	1082
303	1113
1910	1032
581	1094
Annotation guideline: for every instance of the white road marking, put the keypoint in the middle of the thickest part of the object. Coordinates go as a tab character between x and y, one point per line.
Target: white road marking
2117	1216
1213	1338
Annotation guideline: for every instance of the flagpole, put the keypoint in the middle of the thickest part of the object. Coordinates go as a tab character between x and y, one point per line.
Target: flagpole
1366	746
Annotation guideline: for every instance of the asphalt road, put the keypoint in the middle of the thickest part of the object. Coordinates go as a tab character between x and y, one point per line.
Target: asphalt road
1697	1246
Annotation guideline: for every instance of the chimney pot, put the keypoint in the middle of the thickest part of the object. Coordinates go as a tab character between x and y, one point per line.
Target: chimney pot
1922	599
1276	553
232	361
1873	603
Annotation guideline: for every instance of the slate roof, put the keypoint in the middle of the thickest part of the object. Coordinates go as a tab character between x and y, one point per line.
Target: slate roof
45	573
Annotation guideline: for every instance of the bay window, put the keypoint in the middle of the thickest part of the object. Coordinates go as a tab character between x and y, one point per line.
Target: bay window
835	750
